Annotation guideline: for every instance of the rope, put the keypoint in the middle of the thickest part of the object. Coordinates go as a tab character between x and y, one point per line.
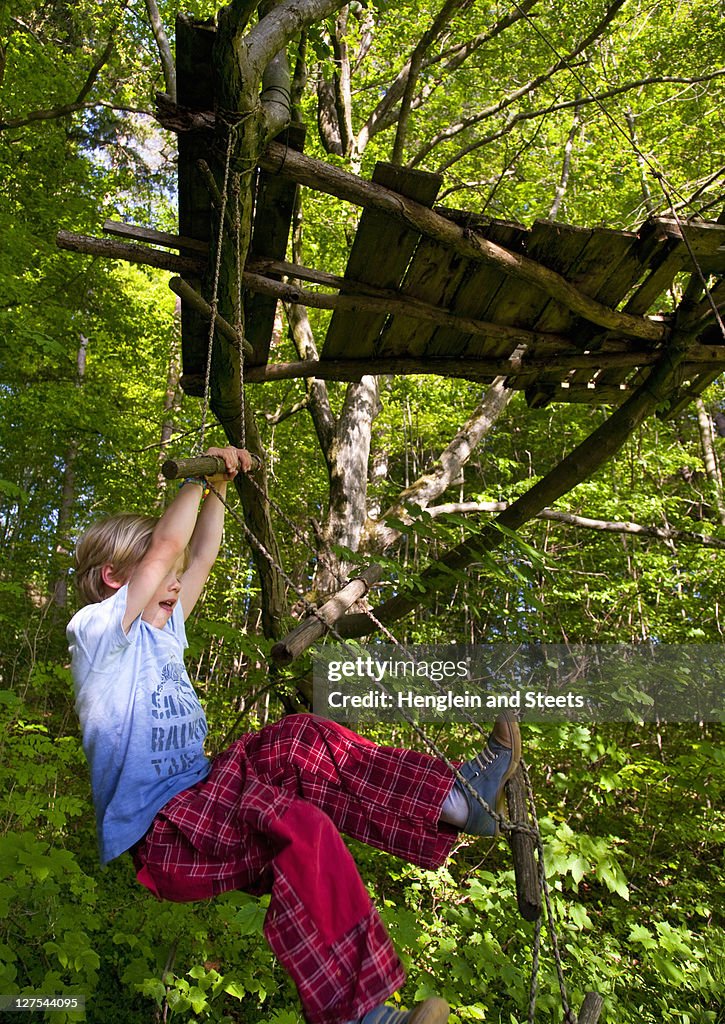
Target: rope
238	326
214	299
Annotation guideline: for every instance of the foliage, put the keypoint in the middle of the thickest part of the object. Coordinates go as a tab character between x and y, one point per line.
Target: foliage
632	818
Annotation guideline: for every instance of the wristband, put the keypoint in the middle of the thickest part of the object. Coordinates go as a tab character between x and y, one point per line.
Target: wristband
193	480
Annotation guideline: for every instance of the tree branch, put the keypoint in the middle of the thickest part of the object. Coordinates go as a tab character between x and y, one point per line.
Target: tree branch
552	108
524	90
378	535
566	164
385	112
164	48
64	109
668	534
272	32
414	66
709	457
318	401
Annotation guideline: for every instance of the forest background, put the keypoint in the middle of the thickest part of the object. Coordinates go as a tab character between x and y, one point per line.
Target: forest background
536	110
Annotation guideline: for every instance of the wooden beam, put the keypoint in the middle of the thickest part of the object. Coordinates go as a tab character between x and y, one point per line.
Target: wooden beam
528	889
393	303
325	178
140	234
591	1008
317	624
128	251
197	302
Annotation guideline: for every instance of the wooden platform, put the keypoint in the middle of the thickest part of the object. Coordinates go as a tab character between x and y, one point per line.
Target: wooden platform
566	358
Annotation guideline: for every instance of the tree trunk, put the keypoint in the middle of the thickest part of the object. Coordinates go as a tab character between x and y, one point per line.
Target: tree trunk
709	457
350	453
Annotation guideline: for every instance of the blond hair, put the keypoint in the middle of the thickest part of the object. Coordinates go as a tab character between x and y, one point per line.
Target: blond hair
120	541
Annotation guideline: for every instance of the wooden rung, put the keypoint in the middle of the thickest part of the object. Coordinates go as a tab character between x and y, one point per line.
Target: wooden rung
314	626
591	1008
526	869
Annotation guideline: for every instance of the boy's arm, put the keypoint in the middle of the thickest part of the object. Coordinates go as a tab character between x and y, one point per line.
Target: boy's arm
168	542
207	535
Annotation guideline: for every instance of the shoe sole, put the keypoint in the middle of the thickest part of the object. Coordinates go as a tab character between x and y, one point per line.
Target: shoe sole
430	1011
515	734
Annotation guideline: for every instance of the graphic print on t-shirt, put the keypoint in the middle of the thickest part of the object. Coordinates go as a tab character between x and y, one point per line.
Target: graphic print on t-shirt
177	738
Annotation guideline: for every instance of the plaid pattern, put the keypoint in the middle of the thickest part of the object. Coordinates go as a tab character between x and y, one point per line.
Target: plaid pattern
266	820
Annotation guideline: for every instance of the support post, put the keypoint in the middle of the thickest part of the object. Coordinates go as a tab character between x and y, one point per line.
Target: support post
591	1008
526	869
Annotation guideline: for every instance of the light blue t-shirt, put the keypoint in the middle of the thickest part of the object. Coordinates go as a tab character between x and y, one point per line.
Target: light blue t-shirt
142	724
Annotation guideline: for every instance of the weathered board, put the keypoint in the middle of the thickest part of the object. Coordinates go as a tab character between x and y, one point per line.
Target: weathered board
379	256
194	42
274	206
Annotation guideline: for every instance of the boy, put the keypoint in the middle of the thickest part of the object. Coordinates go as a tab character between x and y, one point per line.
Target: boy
264	815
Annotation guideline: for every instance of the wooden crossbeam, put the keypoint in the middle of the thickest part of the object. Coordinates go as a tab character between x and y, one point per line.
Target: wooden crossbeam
131	252
163	238
317	624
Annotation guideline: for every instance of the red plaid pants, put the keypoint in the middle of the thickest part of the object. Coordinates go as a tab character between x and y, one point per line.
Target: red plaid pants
266	819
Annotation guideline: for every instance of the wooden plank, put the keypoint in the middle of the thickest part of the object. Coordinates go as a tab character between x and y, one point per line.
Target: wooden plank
610	268
141	234
555	246
194	42
274	206
478	286
433	275
661	258
333	180
379	256
578	394
589	270
705	240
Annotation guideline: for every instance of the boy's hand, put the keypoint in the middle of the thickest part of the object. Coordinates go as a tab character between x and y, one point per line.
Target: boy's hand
235	459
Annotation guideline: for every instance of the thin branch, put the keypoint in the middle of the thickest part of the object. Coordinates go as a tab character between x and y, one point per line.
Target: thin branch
566	164
164	48
385	112
65	108
529	87
450	7
668	534
318	400
552	108
641	164
275	418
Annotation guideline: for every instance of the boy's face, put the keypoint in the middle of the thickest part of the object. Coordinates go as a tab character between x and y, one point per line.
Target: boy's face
161	606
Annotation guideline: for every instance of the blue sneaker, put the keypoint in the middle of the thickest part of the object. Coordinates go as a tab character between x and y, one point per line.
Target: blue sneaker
489	772
430	1011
